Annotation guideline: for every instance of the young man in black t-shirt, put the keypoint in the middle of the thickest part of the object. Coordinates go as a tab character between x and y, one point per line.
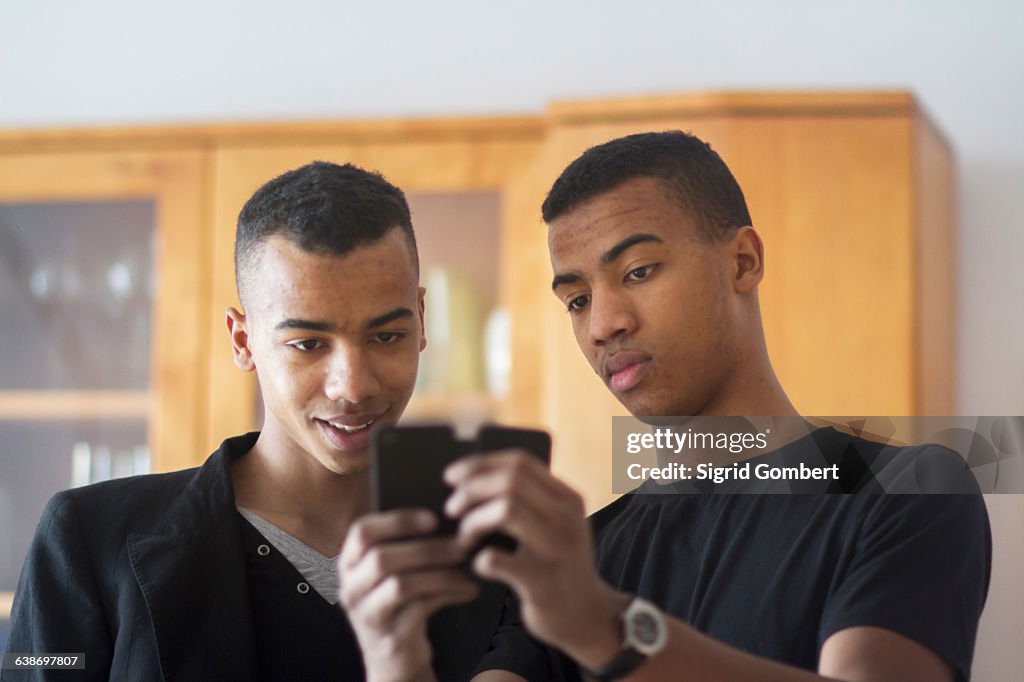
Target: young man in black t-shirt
658	266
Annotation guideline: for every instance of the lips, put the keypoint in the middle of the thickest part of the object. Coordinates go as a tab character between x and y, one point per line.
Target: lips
351	425
348	432
624	369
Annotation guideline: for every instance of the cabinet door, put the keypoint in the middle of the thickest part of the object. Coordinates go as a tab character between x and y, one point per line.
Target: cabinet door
102	275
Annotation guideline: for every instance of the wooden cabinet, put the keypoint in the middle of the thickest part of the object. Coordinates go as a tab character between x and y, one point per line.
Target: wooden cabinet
88	195
852	193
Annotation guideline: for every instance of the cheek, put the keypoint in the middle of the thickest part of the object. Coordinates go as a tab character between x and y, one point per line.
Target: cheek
281	375
398	370
580	331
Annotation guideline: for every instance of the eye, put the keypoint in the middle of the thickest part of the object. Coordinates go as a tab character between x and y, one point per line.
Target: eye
640	274
578	303
387	337
306	345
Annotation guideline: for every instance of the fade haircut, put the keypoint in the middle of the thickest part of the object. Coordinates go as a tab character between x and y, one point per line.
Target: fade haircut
323	208
685	166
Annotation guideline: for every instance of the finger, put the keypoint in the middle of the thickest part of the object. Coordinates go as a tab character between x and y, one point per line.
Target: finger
380	606
400	556
492	564
514	473
411	619
536	534
521	486
524	463
474	464
377	527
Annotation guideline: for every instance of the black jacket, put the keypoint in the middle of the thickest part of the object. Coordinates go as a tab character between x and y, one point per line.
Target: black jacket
146	577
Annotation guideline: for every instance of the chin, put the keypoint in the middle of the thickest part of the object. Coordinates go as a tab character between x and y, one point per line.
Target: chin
657	413
662	420
347	464
353	471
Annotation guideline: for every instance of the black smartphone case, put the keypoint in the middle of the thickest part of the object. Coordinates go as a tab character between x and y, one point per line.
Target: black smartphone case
406	469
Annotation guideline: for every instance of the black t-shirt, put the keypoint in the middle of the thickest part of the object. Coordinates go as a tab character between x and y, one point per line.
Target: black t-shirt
299	635
776	575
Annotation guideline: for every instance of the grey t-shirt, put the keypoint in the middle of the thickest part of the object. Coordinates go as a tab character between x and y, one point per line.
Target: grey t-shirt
320	572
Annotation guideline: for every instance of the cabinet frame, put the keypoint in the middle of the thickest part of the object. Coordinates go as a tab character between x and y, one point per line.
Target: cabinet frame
175	181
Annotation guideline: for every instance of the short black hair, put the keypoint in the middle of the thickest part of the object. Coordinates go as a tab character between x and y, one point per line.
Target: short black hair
686	166
322	208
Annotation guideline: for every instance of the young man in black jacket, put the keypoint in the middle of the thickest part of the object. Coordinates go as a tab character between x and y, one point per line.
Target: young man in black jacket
228	571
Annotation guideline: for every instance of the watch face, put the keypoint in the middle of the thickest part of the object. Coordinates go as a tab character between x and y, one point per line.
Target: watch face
645	629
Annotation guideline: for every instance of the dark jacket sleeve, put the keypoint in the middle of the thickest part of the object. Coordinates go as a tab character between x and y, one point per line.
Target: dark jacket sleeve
57	606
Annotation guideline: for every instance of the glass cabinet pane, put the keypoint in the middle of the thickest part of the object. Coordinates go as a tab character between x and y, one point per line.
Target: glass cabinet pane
38	459
76	291
77	283
458	239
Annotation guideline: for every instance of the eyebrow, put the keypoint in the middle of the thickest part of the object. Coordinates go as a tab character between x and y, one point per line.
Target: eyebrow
627	243
296	323
567	278
609	256
317	326
396	314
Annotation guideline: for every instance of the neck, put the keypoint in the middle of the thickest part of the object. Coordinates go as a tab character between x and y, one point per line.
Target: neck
752	391
721	441
750	388
291	489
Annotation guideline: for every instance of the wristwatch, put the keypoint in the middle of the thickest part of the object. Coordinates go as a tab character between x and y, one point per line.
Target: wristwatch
645	635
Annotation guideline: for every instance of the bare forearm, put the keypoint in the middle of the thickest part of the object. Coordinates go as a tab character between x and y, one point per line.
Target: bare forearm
858	654
703	659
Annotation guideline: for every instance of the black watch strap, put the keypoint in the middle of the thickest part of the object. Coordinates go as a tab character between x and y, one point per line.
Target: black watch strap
625	662
645	634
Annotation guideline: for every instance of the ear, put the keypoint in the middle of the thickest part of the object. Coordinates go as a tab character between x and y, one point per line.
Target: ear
747	253
240	349
423	331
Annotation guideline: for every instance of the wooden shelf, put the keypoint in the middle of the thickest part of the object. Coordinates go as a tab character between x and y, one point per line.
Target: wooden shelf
55	405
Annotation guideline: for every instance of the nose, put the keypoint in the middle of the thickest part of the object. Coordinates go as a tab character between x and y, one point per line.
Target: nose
350	376
611	316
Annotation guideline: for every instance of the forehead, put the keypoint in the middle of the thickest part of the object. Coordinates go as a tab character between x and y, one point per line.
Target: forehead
287	281
639	205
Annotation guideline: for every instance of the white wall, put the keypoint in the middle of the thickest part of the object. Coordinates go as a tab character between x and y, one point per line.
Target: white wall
121	61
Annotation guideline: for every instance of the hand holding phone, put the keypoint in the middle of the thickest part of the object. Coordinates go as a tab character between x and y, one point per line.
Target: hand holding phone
407	465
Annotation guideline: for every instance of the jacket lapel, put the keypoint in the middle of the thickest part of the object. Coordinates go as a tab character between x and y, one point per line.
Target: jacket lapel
193	579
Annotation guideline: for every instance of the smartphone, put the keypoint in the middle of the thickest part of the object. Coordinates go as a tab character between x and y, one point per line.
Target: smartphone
491	438
407	465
